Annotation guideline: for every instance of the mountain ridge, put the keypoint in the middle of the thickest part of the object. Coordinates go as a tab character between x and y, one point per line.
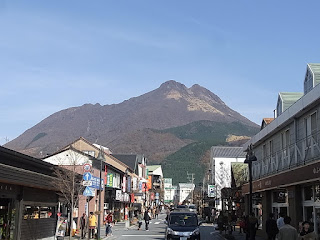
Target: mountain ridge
171	105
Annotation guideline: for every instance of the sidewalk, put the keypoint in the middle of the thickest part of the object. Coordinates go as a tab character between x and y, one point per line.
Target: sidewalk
236	235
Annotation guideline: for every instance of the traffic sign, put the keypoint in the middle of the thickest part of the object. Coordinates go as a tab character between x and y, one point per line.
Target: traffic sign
87	176
87	183
89	192
86	167
97	183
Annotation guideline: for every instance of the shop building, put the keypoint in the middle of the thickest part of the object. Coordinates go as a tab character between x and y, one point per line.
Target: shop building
286	175
28	199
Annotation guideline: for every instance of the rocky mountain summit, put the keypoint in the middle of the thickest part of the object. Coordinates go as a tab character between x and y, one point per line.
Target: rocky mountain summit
134	125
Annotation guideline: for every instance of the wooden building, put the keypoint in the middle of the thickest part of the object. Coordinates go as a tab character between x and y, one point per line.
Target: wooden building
28	199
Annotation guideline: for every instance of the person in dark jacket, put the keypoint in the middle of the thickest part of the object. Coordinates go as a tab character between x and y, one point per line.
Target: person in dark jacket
147	218
253	225
271	227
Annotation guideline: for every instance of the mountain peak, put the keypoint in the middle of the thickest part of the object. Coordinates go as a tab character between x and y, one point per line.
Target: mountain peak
172	84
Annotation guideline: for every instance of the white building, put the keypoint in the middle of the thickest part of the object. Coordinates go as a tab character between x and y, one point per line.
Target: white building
170	191
222	159
185	192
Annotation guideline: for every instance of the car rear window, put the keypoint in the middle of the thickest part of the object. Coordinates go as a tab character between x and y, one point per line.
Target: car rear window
183	219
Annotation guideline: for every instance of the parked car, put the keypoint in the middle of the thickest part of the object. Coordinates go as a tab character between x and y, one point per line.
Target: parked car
183	226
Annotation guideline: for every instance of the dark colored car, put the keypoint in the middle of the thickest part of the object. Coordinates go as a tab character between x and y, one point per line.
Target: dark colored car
183	226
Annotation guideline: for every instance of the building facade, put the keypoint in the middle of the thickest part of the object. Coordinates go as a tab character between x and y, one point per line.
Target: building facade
28	199
287	171
227	169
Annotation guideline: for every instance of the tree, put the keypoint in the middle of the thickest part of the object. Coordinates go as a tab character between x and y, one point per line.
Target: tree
68	171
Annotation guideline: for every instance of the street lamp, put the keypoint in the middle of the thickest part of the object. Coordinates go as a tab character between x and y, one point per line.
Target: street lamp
250	157
101	159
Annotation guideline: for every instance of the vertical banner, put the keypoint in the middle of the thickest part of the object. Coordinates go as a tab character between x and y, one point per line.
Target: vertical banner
129	184
124	183
105	174
149	182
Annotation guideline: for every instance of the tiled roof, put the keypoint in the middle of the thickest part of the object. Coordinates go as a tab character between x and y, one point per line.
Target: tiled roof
315	69
268	120
152	168
265	122
227	152
289	98
129	159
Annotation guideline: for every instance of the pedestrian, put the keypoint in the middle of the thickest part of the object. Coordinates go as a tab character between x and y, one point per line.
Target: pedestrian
253	226
287	232
271	227
92	225
139	220
154	212
157	212
83	225
242	224
109	220
246	229
147	218
307	233
280	220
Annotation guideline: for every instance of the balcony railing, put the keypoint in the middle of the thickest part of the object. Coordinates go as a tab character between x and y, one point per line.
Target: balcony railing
299	153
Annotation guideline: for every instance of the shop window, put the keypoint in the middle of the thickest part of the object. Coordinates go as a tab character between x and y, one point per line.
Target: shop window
317	193
308	193
37	212
308	214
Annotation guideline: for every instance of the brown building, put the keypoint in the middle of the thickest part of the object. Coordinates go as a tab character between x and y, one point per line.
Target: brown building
28	199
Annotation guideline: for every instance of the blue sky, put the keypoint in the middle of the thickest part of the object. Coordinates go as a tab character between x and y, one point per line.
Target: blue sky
60	54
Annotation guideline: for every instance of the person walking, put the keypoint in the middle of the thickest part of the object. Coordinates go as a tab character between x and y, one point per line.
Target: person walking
147	218
287	232
157	212
280	220
307	233
253	226
139	220
109	220
83	225
271	227
92	225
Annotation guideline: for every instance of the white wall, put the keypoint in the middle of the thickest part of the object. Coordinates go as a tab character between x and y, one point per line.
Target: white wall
222	174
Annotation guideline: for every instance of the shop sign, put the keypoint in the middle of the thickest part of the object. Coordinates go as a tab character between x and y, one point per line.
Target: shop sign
149	182
118	195
109	180
129	184
211	191
124	180
132	197
134	184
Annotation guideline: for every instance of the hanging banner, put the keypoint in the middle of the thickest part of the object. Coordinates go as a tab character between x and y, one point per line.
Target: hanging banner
149	183
129	184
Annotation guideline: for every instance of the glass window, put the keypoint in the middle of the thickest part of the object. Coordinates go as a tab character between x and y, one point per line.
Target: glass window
36	212
317	193
308	193
308	214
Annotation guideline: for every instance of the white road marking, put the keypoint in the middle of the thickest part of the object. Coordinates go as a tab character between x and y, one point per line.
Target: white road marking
157	223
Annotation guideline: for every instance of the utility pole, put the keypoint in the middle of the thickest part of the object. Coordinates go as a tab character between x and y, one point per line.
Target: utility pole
191	178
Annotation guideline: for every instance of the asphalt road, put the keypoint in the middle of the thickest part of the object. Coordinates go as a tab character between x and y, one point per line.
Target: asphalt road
156	231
